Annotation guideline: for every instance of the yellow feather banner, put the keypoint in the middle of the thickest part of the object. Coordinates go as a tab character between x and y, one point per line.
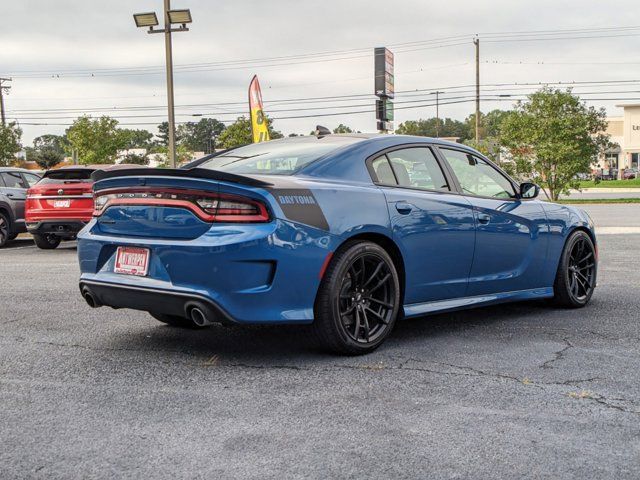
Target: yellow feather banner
258	120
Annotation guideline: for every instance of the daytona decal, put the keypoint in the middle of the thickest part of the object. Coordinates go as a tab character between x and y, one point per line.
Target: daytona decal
301	206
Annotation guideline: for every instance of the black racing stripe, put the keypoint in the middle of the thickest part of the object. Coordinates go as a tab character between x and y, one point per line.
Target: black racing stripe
300	205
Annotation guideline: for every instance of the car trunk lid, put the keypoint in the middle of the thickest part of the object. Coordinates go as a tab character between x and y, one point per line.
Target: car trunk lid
174	204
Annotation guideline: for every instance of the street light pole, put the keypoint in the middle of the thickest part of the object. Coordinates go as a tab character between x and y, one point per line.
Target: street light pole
170	102
171	17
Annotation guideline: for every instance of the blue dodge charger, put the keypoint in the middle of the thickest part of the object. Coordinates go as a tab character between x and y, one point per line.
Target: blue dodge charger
344	232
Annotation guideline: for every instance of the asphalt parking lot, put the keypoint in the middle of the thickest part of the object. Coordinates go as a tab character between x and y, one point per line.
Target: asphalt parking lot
517	391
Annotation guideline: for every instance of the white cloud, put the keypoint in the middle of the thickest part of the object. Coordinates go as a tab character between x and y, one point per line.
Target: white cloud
41	35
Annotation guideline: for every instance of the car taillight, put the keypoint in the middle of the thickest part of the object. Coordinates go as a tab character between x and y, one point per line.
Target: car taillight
208	206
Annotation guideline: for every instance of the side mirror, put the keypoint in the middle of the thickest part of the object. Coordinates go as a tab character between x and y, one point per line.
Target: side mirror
529	190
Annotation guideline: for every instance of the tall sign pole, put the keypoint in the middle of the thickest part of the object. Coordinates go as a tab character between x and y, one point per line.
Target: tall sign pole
384	88
477	44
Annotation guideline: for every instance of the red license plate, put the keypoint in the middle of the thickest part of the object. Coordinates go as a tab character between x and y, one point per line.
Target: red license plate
61	203
132	261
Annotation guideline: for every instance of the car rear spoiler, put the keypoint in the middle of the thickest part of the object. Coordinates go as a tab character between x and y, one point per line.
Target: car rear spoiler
179	172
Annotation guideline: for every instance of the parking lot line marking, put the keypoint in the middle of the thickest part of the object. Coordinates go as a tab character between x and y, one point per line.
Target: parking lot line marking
617	230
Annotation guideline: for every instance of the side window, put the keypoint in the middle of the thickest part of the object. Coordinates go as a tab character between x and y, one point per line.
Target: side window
477	177
383	172
12	180
31	178
417	167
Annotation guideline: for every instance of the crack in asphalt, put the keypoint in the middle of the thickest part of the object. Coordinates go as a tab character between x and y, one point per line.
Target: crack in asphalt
462	370
606	402
558	355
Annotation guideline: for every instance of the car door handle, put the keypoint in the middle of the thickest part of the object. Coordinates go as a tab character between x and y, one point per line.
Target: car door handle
10	195
484	218
404	207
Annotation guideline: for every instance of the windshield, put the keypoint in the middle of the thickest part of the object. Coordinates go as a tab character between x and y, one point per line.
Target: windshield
281	157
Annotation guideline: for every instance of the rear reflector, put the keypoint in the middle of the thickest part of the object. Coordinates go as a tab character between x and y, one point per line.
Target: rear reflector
325	264
208	206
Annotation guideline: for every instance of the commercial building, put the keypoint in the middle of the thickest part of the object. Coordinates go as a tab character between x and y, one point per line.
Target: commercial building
625	133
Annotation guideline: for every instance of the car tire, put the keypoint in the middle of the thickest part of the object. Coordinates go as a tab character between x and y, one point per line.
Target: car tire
358	300
175	321
5	230
576	276
46	242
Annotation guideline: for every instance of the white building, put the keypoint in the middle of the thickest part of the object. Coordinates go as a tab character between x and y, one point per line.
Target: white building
625	131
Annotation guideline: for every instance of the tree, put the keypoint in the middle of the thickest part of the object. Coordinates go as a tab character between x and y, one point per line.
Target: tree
201	136
135	159
342	129
48	150
239	133
136	138
47	157
489	123
58	142
96	141
556	136
427	128
163	134
160	155
9	142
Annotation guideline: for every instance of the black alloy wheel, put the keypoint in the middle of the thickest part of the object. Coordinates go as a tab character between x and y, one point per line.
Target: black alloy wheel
358	300
5	230
576	277
366	300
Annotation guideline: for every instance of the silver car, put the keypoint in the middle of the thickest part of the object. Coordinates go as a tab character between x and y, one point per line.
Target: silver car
14	183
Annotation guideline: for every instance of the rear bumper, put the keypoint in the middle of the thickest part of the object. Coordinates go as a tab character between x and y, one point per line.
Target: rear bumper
178	303
253	273
62	228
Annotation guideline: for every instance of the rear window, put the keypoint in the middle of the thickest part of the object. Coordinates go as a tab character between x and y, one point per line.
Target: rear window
280	157
66	176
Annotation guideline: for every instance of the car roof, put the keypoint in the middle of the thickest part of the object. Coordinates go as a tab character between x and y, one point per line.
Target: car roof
16	169
378	138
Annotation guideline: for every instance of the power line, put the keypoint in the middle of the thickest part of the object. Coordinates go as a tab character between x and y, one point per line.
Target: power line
350	97
338	55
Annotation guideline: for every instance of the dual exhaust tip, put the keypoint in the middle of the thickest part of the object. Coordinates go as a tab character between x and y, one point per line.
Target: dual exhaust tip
199	317
90	299
199	314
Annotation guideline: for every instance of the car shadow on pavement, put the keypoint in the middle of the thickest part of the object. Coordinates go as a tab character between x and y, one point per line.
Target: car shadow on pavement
264	345
19	243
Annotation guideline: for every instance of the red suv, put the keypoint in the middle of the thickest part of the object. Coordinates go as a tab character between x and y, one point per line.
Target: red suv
61	203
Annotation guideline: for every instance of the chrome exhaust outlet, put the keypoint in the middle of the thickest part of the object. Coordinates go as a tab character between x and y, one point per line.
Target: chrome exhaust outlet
197	316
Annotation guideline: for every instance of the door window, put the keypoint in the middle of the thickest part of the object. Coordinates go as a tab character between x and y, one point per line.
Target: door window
31	178
415	167
383	172
477	177
12	180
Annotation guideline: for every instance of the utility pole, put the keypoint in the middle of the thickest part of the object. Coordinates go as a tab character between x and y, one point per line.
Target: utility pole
437	94
3	89
169	61
477	44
